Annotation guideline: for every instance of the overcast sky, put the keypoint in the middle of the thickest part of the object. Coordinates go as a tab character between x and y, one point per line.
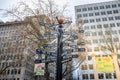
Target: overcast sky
71	3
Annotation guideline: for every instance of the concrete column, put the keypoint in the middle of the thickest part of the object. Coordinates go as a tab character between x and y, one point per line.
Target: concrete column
116	65
94	67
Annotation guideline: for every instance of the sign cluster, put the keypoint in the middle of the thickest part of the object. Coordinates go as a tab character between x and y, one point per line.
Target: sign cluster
65	53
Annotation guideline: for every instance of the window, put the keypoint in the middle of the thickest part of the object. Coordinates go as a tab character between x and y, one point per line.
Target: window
90	8
114	75
108	76
118	5
91	20
109	12
98	20
97	14
93	27
114	31
101	76
84	67
105	25
86	27
99	26
78	10
117	17
116	39
85	15
91	76
114	5
95	8
79	16
110	18
90	66
115	11
94	34
84	9
101	40
96	49
85	21
107	6
87	34
89	57
118	24
104	19
101	7
95	41
19	71
85	76
103	13
107	32
90	14
112	25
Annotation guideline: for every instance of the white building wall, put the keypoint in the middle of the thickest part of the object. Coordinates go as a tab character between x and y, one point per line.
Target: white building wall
82	13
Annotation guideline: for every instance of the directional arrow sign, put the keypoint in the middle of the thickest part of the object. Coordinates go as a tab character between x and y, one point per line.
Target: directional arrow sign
39	51
81	31
49	45
46	60
81	43
67	60
81	49
48	26
43	38
51	33
70	56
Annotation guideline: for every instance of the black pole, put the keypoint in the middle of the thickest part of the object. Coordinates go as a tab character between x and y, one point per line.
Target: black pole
59	52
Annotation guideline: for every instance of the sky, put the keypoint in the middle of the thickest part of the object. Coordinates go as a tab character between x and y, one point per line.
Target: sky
71	3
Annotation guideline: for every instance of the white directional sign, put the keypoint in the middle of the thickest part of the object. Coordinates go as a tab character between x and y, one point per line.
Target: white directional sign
46	60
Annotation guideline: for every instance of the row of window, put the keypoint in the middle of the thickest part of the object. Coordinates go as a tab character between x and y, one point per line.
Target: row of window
15	64
11	27
11	57
97	49
11	50
104	19
11	44
101	33
11	38
96	41
100	26
97	13
100	76
98	7
10	79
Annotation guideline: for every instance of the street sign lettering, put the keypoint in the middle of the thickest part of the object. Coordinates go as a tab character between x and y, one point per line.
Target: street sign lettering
46	60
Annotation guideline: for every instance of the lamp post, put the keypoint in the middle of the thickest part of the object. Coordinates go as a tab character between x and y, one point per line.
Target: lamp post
59	50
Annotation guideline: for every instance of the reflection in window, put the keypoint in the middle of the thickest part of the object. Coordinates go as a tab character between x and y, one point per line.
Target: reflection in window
85	76
90	66
91	76
101	76
84	67
108	76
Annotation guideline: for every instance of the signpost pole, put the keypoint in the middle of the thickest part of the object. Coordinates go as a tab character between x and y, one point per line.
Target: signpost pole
59	57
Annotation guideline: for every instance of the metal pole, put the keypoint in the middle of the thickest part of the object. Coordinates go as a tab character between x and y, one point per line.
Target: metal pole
59	52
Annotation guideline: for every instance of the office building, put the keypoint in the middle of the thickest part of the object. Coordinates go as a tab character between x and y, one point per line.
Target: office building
16	60
101	25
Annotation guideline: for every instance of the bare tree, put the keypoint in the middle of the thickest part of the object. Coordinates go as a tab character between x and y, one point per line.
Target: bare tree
111	44
43	11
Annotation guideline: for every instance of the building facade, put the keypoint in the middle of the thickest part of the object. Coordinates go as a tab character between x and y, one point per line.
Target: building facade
16	63
101	23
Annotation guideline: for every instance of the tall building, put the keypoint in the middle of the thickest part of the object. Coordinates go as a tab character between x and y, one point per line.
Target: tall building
101	23
16	62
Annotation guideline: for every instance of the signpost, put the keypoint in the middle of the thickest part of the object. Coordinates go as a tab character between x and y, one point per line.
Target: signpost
60	56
